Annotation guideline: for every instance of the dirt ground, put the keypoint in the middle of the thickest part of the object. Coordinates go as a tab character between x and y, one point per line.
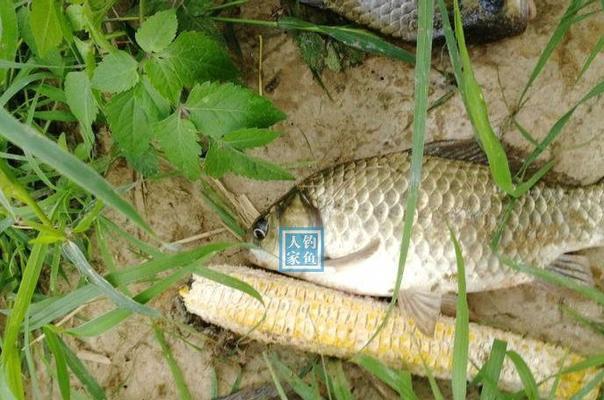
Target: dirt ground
370	114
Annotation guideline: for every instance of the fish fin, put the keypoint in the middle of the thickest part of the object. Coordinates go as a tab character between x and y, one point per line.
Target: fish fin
573	266
314	3
470	150
464	150
355	258
423	307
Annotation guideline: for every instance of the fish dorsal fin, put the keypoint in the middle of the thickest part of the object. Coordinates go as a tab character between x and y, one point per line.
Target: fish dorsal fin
422	306
353	259
463	150
470	150
573	266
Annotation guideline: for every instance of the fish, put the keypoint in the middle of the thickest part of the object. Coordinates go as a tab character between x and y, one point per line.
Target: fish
483	20
360	206
329	322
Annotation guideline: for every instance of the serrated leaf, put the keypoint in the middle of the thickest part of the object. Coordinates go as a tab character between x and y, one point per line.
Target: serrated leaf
223	158
196	57
130	115
45	25
177	137
158	31
164	77
116	73
81	102
250	137
217	109
10	33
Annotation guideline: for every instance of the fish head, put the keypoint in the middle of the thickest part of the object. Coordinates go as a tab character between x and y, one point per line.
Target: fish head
294	210
488	20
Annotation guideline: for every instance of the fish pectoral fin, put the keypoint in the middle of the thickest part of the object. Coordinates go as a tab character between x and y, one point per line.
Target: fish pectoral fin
353	259
573	266
423	307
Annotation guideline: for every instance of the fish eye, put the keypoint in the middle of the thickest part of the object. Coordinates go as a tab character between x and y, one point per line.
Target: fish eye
260	228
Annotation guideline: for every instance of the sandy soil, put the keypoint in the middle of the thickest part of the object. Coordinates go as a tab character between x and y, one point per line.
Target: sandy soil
370	113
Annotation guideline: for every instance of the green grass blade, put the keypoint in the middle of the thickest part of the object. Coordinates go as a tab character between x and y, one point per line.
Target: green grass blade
31	366
563	26
227	280
67	164
451	42
339	383
301	388
73	253
492	370
526	376
590	386
276	381
596	361
80	371
462	328
597	49
5	392
47	310
479	115
10	357
60	363
422	83
556	279
556	129
393	378
179	379
436	392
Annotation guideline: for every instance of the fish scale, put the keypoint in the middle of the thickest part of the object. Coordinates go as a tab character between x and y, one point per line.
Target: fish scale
483	20
363	200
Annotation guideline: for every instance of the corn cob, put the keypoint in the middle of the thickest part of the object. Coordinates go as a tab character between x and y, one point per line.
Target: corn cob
334	323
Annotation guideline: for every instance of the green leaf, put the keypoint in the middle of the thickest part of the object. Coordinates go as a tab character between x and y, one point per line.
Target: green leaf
80	371
10	356
556	279
164	77
196	57
302	389
177	138
158	31
217	109
81	102
462	334
222	158
10	33
339	383
77	258
116	73
179	379
130	116
45	24
492	370
250	137
229	281
526	376
79	97
397	380
353	37
61	365
597	49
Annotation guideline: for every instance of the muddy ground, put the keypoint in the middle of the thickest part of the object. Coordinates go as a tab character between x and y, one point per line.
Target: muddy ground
370	113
